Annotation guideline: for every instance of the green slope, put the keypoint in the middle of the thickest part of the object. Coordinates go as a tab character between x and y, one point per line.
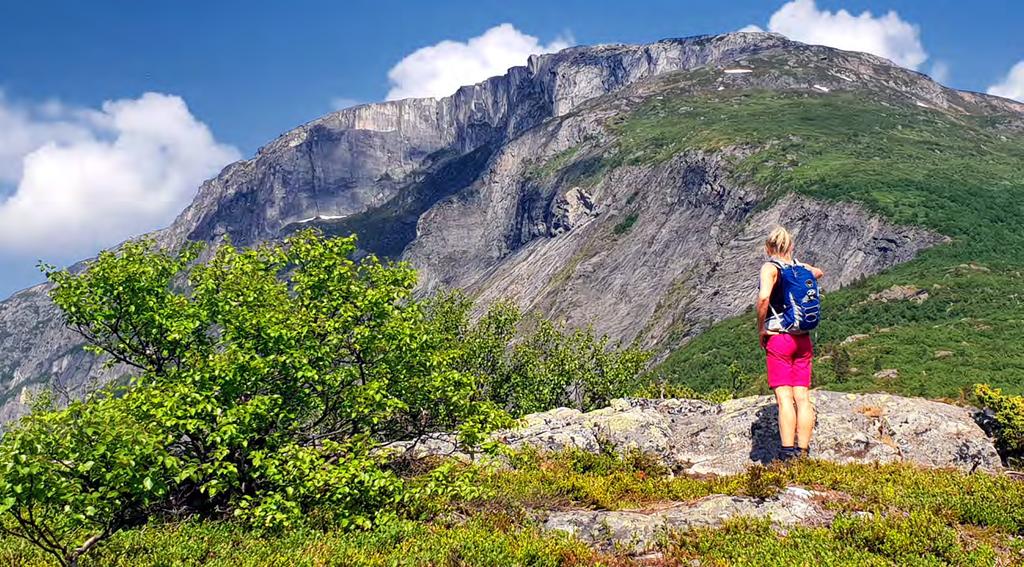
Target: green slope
960	175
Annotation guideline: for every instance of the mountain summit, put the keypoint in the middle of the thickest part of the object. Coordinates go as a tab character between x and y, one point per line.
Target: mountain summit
623	186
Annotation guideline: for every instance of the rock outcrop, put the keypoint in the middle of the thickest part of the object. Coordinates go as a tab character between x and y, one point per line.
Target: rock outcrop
698	437
637	531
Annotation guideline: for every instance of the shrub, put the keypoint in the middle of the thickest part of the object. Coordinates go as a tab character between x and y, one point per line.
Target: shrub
1008	415
69	479
661	388
548	366
764	482
263	381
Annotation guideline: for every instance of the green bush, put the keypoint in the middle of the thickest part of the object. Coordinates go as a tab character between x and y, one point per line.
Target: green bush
660	388
544	365
263	381
1008	414
71	478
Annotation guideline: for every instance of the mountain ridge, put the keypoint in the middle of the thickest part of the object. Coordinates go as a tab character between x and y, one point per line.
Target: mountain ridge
361	160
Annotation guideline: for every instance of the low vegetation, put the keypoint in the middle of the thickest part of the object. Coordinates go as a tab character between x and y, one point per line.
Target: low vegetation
886	515
627	223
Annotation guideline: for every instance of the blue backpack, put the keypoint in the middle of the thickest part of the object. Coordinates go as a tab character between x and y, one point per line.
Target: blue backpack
801	299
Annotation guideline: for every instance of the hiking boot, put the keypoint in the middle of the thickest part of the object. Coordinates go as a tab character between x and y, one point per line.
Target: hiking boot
787	454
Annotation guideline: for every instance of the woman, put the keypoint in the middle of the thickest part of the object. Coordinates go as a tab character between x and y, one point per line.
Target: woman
788	353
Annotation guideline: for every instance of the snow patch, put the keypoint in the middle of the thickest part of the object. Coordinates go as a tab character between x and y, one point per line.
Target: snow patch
821	88
738	71
321	217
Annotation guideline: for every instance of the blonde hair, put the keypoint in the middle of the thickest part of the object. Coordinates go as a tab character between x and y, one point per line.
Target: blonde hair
779	242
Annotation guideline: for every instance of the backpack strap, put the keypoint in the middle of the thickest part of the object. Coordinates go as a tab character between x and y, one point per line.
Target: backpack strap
779	266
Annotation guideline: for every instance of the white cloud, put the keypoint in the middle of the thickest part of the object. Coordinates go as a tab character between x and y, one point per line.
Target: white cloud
940	72
886	35
26	128
86	179
439	70
1012	85
341	102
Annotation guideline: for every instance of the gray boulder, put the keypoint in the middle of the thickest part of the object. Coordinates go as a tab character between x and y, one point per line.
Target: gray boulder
697	437
638	531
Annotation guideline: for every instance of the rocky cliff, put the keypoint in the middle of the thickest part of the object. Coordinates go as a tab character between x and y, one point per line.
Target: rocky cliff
520	187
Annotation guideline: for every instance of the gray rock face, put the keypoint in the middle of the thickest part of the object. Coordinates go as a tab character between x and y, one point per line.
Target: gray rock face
697	437
638	531
690	258
358	158
36	349
446	184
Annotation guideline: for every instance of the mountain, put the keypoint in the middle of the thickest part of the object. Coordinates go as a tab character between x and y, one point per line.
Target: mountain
622	186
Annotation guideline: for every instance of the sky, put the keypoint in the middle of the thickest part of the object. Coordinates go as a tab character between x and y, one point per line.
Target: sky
113	112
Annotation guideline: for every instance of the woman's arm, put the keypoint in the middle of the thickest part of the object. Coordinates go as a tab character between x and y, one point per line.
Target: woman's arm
818	272
769	273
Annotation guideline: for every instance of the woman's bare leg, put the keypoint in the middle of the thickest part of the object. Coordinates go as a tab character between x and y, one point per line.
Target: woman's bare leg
787	414
804	416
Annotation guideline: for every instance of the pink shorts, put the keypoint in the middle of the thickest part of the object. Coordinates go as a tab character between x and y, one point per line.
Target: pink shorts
789	360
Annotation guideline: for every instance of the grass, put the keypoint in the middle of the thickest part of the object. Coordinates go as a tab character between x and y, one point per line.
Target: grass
552	165
887	515
960	175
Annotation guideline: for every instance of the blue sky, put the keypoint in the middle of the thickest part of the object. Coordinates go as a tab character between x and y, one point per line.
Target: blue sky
232	75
